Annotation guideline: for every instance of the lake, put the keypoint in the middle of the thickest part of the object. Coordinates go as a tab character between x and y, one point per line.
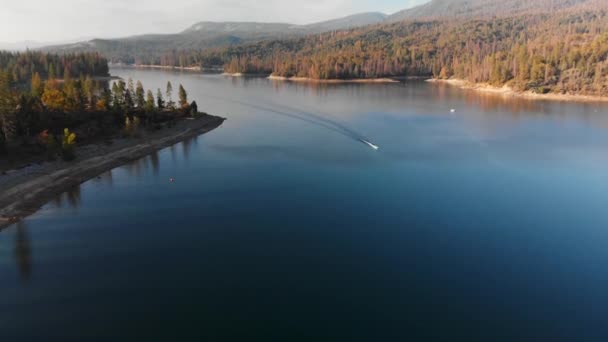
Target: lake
478	218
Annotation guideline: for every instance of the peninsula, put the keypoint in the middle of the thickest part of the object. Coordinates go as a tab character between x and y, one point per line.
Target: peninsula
59	132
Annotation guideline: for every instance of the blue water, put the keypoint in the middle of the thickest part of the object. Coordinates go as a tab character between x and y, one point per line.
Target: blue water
487	224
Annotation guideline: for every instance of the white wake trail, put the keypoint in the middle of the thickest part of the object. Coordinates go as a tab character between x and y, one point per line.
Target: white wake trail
375	147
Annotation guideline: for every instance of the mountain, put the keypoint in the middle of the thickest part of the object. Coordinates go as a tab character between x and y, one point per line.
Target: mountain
20	46
32	45
251	29
357	20
239	28
151	48
180	49
563	51
484	8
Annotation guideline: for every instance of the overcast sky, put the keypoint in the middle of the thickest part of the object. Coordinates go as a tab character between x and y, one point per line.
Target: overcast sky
60	20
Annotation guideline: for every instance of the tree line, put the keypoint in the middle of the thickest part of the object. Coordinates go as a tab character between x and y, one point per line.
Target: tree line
39	113
20	67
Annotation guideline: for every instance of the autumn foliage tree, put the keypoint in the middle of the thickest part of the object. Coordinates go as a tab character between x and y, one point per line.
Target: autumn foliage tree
53	96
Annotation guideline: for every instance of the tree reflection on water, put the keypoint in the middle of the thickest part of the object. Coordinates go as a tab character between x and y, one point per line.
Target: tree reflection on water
23	251
71	197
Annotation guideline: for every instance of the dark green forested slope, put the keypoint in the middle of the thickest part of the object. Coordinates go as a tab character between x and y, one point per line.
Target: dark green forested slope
565	51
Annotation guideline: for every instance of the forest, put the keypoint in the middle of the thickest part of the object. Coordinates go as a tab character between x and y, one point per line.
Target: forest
562	52
20	67
43	113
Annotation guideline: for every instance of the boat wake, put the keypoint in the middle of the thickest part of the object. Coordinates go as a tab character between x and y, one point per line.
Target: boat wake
375	147
311	118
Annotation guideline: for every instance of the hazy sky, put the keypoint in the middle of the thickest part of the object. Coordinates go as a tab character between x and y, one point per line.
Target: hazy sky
58	20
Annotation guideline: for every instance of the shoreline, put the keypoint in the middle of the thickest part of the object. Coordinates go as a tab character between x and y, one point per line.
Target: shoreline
240	74
507	91
23	192
332	81
145	66
168	67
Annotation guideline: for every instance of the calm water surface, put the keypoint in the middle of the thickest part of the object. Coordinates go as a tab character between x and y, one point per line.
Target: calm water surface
490	223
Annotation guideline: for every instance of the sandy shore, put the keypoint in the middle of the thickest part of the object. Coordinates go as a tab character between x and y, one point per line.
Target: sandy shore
510	92
332	81
24	191
240	74
166	67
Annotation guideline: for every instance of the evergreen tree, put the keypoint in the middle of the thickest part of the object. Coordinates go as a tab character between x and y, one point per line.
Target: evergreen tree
149	105
69	89
160	102
37	85
116	104
7	109
140	96
193	108
120	94
89	91
52	74
169	92
105	101
183	97
130	86
129	105
27	114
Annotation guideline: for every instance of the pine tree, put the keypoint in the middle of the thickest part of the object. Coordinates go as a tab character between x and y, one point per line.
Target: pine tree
89	91
160	102
130	86
183	97
116	105
71	95
193	108
105	101
7	109
129	105
120	94
169	92
37	85
149	105
140	96
52	73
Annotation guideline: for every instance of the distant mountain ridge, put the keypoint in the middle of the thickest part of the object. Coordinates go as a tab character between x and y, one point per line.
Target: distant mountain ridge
165	48
206	35
357	20
31	44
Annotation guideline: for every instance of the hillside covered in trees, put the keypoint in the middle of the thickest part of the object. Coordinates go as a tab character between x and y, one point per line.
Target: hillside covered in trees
564	52
20	67
542	45
35	114
467	9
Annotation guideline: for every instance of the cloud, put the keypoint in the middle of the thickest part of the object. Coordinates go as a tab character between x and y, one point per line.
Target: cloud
58	20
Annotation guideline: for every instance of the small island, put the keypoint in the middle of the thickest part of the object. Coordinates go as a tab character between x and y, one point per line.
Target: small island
59	129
